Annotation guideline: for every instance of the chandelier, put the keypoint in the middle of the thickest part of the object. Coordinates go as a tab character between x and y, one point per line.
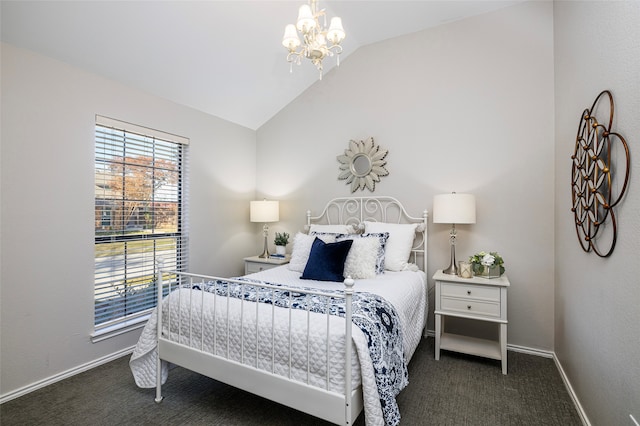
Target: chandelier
317	41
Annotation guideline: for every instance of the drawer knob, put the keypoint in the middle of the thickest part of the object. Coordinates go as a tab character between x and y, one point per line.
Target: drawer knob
469	307
468	292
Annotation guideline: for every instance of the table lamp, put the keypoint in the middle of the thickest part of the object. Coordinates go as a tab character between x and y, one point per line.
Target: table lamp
454	208
264	211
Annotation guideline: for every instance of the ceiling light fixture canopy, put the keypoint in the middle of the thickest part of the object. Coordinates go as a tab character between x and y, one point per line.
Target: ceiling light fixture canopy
317	42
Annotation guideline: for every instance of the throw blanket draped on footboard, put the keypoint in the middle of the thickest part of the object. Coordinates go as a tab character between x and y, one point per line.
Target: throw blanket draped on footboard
376	318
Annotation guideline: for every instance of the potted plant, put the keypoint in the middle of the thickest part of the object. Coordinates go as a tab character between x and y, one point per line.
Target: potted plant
487	265
281	241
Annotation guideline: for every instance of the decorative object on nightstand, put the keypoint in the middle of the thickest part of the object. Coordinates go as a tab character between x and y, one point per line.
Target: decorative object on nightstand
454	209
477	299
281	241
264	211
465	269
487	265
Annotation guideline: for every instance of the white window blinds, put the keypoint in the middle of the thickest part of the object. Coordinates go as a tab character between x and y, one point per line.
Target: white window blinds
140	217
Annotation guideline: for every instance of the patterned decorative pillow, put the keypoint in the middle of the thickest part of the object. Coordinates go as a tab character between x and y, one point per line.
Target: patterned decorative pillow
381	237
332	229
399	244
302	247
326	261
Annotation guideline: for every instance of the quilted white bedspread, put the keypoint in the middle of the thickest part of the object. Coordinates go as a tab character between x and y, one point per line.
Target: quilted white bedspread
405	290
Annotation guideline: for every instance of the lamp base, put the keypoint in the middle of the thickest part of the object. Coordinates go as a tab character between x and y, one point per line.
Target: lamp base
265	252
450	271
453	267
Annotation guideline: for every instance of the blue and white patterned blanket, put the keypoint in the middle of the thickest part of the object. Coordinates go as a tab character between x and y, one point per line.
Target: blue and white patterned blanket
376	317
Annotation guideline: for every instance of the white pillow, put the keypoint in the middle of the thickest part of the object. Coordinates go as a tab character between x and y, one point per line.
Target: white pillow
362	257
382	243
302	247
399	244
332	229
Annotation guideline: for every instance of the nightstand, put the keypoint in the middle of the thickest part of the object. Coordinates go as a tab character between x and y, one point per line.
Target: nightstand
256	264
477	299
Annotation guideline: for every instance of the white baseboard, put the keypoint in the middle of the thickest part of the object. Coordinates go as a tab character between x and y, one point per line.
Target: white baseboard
65	374
574	397
530	351
565	379
82	368
552	355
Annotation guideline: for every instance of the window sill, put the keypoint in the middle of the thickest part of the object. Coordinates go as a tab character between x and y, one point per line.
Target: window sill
118	329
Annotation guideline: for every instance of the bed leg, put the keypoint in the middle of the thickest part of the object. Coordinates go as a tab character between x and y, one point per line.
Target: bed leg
159	396
159	333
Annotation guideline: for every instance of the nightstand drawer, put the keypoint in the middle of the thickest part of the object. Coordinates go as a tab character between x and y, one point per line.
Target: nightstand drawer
470	307
255	264
475	292
251	267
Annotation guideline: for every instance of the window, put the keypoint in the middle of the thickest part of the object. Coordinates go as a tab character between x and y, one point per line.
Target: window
140	220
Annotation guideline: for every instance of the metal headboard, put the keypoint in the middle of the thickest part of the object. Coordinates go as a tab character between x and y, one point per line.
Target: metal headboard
356	210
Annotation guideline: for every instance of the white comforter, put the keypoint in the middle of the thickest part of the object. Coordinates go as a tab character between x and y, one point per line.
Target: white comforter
406	291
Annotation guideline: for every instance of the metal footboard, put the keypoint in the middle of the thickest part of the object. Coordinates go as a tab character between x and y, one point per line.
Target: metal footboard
249	370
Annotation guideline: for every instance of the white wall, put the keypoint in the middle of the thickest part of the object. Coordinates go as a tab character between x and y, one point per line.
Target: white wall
48	117
468	106
597	333
465	107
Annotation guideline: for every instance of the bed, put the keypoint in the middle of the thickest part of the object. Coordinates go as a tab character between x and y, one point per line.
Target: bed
302	334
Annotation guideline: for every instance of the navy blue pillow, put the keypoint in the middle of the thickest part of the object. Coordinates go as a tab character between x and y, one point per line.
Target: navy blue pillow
326	260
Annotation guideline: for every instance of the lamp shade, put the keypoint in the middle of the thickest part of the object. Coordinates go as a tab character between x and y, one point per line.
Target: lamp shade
264	211
454	208
336	32
306	21
290	39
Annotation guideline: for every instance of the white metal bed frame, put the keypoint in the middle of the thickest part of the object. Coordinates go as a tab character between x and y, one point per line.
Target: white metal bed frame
338	408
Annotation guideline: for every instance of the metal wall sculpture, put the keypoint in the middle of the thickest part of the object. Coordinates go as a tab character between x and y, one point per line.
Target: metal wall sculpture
595	190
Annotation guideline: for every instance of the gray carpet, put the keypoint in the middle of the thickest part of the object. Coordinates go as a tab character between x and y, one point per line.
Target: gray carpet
457	390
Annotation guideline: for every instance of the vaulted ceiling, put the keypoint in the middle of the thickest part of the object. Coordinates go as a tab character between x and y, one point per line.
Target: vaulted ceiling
220	57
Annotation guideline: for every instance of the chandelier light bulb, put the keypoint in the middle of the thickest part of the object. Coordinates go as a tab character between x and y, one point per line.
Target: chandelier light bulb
290	39
306	20
336	32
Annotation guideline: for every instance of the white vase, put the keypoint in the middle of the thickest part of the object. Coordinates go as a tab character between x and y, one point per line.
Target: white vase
281	250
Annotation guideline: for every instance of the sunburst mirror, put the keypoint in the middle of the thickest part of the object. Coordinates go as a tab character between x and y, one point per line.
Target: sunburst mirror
362	164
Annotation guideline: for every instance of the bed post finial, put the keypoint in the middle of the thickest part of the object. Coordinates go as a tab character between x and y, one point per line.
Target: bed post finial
348	284
308	225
